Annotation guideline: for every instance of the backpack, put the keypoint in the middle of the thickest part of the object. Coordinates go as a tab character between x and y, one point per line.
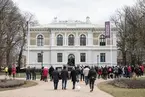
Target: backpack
110	69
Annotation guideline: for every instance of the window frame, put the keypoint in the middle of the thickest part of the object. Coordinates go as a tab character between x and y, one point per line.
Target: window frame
72	41
59	57
102	40
102	57
82	57
59	40
40	40
39	57
83	40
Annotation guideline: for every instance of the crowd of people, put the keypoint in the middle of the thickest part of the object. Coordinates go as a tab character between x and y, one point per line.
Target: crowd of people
89	74
80	73
75	75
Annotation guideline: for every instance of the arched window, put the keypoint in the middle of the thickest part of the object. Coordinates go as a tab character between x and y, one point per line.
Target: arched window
71	40
102	40
82	40
59	40
40	40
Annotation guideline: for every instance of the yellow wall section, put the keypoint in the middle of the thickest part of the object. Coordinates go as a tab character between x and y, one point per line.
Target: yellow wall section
32	42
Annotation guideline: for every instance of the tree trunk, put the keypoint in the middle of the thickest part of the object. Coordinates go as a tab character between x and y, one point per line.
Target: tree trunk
20	57
8	58
124	58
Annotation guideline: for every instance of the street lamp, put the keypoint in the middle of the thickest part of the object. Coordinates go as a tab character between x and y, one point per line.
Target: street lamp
42	58
98	60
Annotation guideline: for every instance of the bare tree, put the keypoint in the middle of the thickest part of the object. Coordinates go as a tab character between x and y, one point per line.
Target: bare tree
130	22
13	31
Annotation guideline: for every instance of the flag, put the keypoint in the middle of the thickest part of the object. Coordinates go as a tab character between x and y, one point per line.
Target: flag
107	29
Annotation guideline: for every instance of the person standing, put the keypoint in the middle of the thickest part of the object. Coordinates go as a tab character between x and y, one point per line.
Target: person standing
116	72
78	73
34	73
28	72
105	72
51	69
73	76
14	71
41	73
99	72
129	71
45	73
64	76
6	71
82	74
92	77
86	72
142	69
55	75
10	71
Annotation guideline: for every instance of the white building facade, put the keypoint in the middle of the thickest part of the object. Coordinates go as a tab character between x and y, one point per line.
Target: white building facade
71	43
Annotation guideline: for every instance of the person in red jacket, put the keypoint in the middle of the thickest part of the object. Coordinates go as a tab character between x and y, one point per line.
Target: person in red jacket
99	73
14	71
142	69
129	71
45	73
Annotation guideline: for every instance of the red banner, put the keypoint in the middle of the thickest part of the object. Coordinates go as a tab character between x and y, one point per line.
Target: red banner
107	29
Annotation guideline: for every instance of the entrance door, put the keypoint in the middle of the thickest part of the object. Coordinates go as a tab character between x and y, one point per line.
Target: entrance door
71	60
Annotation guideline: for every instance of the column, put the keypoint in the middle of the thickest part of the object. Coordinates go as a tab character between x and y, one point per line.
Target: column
65	39
90	39
114	40
52	39
77	39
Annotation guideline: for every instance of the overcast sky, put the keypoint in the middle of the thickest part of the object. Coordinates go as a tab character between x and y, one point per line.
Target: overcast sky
98	10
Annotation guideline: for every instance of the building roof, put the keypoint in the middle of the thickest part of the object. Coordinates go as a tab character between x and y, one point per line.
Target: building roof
71	24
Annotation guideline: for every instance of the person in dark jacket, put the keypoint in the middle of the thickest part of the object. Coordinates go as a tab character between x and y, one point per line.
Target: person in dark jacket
105	72
64	76
28	73
73	76
82	74
51	69
92	77
78	73
55	75
34	73
10	71
41	73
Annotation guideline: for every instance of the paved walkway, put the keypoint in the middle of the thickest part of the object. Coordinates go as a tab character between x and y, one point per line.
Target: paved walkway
45	89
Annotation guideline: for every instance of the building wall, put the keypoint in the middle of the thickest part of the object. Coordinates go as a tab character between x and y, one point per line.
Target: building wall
92	48
91	58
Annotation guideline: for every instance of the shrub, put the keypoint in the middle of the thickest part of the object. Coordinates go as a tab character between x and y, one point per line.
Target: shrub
128	83
11	83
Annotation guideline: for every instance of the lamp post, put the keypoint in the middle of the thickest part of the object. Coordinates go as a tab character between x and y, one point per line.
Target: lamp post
42	58
98	60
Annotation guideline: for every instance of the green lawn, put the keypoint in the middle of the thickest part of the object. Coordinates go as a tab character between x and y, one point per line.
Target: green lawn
23	75
121	92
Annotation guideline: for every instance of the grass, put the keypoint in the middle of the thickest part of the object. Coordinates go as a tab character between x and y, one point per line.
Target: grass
121	92
26	85
23	75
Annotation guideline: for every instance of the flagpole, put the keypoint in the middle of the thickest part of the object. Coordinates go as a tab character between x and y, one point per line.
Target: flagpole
28	42
111	37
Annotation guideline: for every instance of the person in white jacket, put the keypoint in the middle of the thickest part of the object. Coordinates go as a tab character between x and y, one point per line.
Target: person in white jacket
86	72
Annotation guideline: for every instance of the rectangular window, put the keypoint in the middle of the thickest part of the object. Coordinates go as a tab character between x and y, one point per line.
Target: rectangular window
102	57
59	57
102	43
40	57
83	57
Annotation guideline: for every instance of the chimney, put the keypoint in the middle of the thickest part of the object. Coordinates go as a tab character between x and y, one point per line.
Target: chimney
88	20
55	20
